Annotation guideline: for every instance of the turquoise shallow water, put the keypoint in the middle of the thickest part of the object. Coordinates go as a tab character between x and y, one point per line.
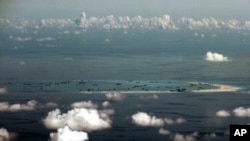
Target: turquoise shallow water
104	86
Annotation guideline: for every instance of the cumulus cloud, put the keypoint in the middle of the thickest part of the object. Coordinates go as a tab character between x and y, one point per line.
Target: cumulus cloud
49	105
210	136
55	22
66	32
3	90
180	137
66	134
144	119
20	39
238	112
172	121
216	57
77	32
111	22
222	113
5	135
163	131
115	96
29	106
188	137
44	39
207	23
84	104
78	119
106	104
164	22
22	63
241	112
107	40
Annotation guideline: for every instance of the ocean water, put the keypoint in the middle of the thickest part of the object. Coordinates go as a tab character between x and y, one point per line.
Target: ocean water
197	108
115	60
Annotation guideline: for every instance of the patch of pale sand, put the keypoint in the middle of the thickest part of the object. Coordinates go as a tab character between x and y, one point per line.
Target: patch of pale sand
219	88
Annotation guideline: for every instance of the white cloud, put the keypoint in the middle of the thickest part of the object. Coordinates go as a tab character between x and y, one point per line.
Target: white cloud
172	121
110	22
180	137
20	39
107	40
163	131
78	119
3	90
5	135
222	113
207	23
143	119
106	104
59	23
247	25
84	104
66	32
66	134
22	63
29	106
115	96
234	24
77	32
50	105
241	112
188	137
44	39
216	57
210	136
68	59
180	121
106	113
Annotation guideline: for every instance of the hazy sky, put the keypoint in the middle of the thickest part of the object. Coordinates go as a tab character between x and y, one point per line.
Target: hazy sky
147	8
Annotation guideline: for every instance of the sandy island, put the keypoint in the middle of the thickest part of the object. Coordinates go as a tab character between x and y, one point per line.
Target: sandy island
219	88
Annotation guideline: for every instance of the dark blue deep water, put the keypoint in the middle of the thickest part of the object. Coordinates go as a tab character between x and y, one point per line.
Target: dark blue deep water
197	108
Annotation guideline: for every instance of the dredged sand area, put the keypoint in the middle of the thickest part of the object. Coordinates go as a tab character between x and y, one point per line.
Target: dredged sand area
116	86
219	88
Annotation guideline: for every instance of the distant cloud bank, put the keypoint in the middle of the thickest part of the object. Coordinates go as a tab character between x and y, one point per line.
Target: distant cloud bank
164	22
